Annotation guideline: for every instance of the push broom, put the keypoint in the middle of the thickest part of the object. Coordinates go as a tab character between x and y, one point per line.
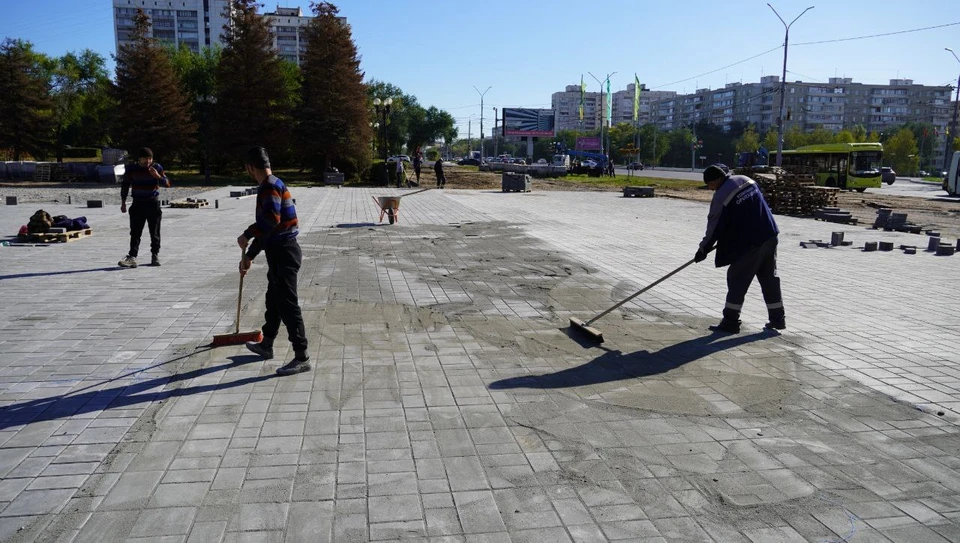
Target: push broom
596	335
237	337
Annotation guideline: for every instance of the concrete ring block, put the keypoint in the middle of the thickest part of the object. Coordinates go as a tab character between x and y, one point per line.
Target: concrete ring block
933	243
886	245
870	246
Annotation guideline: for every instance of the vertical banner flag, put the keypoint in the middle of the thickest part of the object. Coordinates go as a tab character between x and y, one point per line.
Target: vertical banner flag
636	97
583	88
609	105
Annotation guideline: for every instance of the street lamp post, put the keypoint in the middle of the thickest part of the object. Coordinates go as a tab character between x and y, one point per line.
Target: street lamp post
205	103
481	119
383	111
601	105
953	123
783	80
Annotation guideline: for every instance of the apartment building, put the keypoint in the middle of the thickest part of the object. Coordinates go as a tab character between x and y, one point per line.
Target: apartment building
200	23
189	23
649	101
566	107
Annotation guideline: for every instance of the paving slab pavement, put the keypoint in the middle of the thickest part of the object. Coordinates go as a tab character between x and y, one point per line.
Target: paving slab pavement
449	401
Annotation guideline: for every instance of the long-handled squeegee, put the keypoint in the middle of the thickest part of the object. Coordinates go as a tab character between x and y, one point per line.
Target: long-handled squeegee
596	335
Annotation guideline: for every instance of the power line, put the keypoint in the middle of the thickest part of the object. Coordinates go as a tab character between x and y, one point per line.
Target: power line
879	35
718	69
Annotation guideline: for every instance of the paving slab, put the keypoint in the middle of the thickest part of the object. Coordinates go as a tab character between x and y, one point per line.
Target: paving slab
449	398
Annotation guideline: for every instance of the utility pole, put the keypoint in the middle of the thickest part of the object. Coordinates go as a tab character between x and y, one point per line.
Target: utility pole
947	155
783	81
469	137
481	119
496	136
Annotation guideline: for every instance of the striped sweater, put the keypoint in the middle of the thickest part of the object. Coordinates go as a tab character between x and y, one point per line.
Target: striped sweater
142	186
276	217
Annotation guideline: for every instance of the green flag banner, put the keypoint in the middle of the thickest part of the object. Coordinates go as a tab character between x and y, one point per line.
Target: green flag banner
636	97
583	89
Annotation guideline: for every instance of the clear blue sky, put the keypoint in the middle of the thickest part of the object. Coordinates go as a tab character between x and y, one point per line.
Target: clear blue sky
438	50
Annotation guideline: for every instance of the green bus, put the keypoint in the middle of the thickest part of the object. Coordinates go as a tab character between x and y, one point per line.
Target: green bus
851	166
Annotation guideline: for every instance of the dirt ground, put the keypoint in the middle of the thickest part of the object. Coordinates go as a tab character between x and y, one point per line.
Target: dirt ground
942	216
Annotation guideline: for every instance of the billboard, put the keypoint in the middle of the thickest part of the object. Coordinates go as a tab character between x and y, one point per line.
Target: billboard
588	143
528	122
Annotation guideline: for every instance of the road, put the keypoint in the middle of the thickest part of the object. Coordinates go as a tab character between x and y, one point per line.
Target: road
904	186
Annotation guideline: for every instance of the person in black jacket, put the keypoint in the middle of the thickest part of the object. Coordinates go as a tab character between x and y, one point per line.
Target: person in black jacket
142	180
741	226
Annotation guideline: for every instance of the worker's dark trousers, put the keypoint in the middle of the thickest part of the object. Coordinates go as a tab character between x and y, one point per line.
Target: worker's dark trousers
759	262
283	264
144	212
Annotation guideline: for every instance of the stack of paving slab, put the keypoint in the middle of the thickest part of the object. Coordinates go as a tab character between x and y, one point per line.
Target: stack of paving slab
792	193
834	214
889	221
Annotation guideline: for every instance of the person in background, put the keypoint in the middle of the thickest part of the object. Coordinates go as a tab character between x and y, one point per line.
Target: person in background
275	233
142	180
741	226
399	168
417	163
438	169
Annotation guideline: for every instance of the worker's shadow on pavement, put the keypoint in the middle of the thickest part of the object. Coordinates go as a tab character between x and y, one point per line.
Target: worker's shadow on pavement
95	399
617	366
47	274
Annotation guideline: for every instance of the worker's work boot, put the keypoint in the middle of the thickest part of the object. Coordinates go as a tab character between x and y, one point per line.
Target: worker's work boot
128	262
264	348
730	322
776	323
155	260
299	364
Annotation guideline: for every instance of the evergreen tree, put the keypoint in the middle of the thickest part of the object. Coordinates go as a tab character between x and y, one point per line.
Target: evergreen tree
253	98
26	107
334	113
152	110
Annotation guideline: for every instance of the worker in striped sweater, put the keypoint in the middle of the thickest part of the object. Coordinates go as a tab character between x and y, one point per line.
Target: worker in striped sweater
275	233
142	181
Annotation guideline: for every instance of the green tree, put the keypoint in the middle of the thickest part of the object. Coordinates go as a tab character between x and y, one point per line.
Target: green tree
80	87
334	125
429	125
26	107
749	142
196	70
900	152
152	109
845	136
253	102
859	133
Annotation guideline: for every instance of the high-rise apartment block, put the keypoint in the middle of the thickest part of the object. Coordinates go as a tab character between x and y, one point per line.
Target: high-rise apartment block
201	23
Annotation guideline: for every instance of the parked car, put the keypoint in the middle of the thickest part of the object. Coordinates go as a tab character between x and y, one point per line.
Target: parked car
469	162
924	173
542	161
635	166
392	159
887	175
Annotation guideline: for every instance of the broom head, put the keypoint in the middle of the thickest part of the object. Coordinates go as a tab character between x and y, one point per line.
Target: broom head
590	332
238	338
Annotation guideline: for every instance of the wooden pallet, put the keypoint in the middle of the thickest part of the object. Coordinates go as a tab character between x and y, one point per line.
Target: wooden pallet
190	204
58	237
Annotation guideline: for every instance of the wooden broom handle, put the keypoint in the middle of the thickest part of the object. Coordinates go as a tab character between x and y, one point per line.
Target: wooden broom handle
239	296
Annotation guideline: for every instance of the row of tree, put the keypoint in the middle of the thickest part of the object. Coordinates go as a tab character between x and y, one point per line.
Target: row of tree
208	107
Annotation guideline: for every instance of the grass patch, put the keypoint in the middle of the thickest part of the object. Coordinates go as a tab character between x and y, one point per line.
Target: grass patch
934	179
623	181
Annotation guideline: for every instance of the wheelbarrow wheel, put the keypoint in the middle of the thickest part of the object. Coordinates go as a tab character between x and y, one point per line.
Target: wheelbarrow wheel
390	216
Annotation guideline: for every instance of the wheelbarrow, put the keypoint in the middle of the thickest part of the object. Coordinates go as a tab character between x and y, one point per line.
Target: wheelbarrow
390	205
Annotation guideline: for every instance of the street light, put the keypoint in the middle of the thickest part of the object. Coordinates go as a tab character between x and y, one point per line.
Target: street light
496	137
383	111
783	80
601	104
481	119
953	123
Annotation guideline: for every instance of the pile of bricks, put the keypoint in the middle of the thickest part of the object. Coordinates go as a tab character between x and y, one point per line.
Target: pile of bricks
792	193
